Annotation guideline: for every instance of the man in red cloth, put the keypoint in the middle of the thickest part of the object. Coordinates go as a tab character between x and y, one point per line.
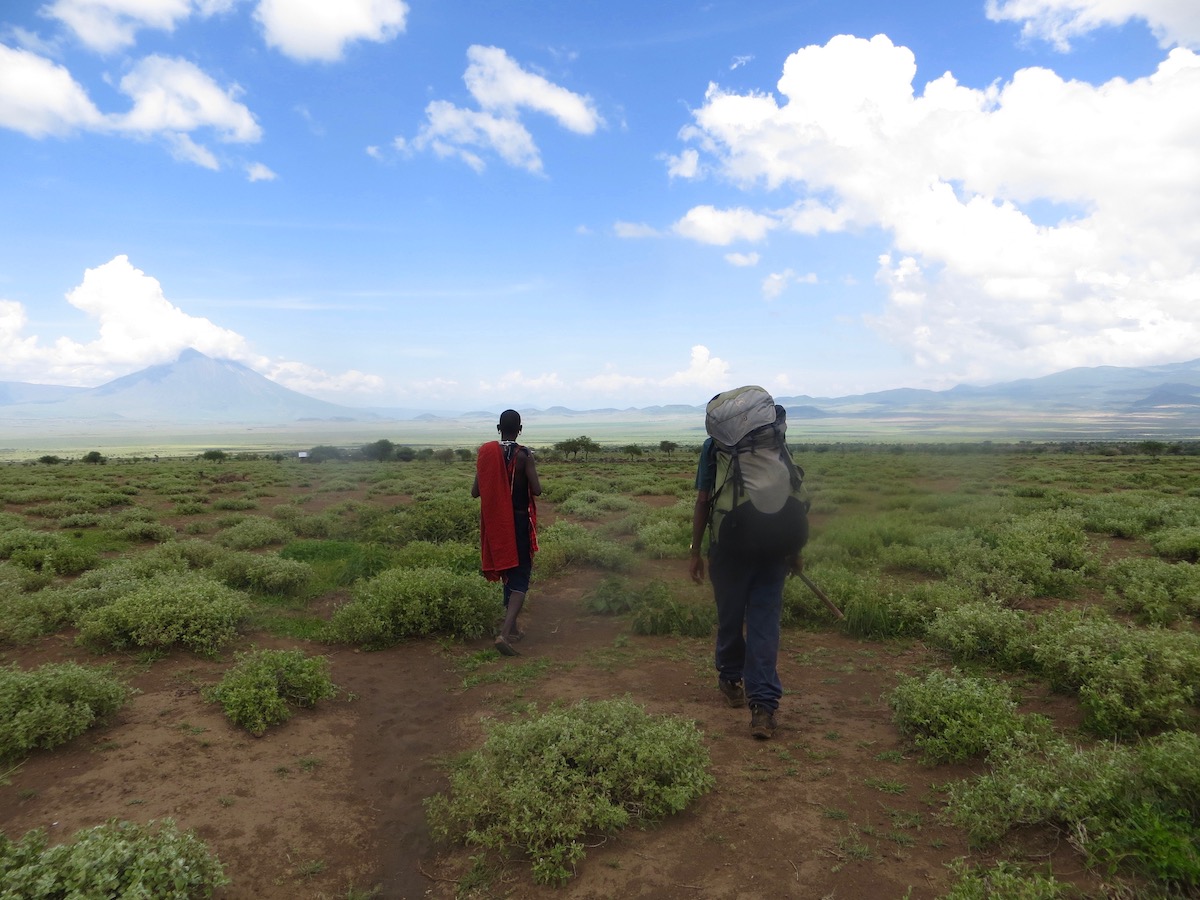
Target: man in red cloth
506	481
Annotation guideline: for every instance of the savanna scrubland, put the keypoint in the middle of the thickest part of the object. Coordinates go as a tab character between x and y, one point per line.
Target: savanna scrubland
262	677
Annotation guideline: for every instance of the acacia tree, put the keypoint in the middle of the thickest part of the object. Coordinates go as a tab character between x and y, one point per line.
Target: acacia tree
379	450
668	447
632	450
569	447
323	452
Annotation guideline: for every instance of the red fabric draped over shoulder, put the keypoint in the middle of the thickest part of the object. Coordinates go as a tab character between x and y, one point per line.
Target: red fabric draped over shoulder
497	532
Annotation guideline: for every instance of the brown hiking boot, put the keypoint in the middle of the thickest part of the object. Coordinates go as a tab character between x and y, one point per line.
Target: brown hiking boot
733	692
762	722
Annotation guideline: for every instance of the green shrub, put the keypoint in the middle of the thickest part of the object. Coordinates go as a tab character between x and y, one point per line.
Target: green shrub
340	563
1129	680
1130	809
1177	543
661	537
147	531
657	611
951	718
52	704
1003	880
263	686
261	573
252	533
29	614
1155	591
565	544
456	556
188	608
431	517
982	630
612	596
544	785
15	540
117	859
401	603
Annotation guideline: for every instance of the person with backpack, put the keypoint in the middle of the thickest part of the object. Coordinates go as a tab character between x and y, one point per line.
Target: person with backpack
750	498
506	483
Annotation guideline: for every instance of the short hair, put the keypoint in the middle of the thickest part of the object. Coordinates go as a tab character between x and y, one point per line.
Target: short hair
510	422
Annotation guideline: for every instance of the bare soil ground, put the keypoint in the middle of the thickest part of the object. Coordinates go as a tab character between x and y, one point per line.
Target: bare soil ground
330	805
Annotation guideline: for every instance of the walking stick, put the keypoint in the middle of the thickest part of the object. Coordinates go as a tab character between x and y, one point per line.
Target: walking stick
820	593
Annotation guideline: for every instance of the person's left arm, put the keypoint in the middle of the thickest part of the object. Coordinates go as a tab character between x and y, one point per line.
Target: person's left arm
699	522
531	474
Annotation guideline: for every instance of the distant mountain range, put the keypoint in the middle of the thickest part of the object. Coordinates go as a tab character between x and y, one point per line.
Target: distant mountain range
199	390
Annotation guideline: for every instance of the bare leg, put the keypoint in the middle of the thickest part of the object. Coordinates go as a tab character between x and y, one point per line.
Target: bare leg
515	600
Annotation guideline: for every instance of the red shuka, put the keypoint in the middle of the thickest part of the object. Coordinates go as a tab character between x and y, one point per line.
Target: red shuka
497	530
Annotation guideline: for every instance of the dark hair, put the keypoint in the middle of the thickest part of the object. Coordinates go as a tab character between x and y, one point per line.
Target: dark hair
510	422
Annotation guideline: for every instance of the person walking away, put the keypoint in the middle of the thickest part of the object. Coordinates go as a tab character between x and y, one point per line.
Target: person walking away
506	482
749	495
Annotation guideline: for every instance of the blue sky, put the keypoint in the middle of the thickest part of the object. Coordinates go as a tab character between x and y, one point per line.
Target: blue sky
473	205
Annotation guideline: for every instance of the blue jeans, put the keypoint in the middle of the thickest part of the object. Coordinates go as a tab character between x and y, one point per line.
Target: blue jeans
749	596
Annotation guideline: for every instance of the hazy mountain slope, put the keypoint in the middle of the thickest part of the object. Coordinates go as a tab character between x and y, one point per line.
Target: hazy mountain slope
194	388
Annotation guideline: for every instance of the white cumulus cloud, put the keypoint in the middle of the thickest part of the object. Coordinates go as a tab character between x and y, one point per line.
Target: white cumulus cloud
175	96
1029	225
710	225
172	99
320	30
39	97
704	370
137	326
504	92
109	25
1173	22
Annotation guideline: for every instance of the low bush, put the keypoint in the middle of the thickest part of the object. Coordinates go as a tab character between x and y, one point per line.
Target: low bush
1129	680
457	556
402	603
436	517
565	544
1130	809
662	536
264	685
253	532
44	707
1177	543
656	610
191	609
954	717
262	573
591	505
982	630
117	859
612	596
1003	880
147	531
545	785
1153	590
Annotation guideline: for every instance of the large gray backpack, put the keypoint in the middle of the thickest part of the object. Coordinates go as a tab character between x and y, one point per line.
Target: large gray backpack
758	507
